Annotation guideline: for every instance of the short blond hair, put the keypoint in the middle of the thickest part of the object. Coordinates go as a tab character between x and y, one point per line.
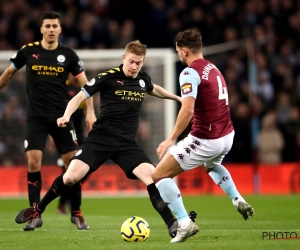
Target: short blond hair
137	48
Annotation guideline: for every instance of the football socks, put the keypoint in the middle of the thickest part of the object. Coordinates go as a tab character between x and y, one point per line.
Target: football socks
75	197
34	182
64	197
158	203
53	192
172	196
222	178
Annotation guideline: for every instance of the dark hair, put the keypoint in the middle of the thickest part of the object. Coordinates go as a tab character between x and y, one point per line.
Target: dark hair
190	39
49	15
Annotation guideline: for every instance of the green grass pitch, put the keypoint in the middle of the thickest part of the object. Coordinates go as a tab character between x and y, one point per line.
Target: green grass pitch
221	226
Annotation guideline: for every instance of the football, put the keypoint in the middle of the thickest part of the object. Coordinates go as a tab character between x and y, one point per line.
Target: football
135	229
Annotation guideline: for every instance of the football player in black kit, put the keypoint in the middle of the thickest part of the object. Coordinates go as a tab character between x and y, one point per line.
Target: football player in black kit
48	64
122	91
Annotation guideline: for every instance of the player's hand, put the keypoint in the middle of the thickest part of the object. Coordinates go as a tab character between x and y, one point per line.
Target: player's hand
162	148
62	121
90	118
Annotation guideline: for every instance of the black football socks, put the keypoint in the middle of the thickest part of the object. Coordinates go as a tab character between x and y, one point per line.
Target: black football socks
75	197
56	189
64	197
158	203
34	183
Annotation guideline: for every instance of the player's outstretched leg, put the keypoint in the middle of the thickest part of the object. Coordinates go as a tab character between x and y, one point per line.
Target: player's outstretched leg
223	179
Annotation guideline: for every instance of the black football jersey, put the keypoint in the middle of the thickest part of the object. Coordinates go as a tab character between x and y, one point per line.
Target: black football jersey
121	100
46	75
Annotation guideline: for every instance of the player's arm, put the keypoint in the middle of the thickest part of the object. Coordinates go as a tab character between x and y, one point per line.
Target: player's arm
183	119
90	113
71	108
160	92
7	75
189	81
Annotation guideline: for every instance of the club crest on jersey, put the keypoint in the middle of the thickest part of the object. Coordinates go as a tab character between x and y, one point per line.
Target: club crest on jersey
186	88
142	83
61	58
91	82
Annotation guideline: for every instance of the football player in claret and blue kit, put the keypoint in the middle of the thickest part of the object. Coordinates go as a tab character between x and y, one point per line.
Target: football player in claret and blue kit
205	100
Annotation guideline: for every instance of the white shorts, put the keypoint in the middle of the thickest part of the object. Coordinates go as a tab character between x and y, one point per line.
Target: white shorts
192	152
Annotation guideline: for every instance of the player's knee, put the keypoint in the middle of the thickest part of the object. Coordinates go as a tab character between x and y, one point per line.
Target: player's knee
34	165
69	180
144	172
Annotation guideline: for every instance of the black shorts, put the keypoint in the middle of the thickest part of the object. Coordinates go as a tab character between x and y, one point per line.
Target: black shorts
37	130
98	148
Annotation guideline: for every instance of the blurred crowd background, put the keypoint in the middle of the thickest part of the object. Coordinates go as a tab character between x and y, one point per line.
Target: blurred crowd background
272	25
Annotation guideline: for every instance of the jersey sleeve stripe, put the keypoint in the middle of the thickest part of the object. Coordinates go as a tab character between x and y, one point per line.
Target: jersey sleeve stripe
79	74
14	65
87	94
